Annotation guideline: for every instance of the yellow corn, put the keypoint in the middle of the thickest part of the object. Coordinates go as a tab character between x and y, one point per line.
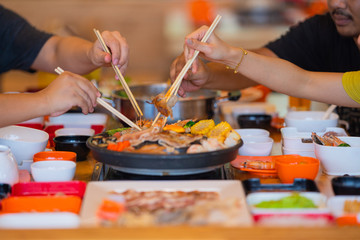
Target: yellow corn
203	127
220	131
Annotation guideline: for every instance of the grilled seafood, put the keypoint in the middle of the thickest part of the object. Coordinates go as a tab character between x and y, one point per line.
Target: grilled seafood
328	139
163	105
186	135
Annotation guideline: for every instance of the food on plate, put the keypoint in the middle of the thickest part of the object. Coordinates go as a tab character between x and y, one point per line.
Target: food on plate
183	136
329	139
259	164
351	207
164	105
293	201
149	208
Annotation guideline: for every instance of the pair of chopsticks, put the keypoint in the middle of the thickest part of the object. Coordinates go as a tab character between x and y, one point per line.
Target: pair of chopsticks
120	76
176	85
100	101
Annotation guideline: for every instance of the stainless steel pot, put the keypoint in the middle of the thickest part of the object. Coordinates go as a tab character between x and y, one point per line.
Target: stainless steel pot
199	104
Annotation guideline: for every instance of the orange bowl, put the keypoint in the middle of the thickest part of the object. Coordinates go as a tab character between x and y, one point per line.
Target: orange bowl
290	167
55	156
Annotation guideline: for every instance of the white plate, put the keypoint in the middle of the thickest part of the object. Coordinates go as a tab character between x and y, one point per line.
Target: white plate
255	198
97	191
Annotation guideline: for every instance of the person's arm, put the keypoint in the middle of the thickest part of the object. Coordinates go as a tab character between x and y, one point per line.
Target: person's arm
277	74
80	56
211	75
61	95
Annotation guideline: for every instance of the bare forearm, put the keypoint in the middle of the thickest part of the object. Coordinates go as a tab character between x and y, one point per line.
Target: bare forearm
70	53
16	108
224	79
285	77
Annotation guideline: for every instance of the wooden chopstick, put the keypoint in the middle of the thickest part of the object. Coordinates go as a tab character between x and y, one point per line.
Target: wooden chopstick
104	104
120	76
176	84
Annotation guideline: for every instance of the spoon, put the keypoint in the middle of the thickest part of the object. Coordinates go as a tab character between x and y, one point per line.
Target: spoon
328	112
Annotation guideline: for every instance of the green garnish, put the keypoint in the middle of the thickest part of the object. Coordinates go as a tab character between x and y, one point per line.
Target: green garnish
113	131
344	145
292	201
189	124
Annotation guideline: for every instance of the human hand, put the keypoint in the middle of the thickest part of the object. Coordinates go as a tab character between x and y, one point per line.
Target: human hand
214	50
69	90
193	80
118	47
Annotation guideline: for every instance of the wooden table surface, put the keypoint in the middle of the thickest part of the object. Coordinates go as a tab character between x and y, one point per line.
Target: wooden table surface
84	172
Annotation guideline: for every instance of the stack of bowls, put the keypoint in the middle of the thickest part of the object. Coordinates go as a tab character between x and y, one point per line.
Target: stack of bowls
296	136
256	142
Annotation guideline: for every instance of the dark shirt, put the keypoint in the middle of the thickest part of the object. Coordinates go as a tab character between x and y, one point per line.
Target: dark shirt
20	43
315	45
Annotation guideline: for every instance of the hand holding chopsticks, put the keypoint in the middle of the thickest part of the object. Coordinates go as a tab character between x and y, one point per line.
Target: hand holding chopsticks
120	76
176	84
100	101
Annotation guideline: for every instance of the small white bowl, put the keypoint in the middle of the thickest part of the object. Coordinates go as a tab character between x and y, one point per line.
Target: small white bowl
340	160
256	146
252	132
24	142
301	152
74	132
53	171
310	121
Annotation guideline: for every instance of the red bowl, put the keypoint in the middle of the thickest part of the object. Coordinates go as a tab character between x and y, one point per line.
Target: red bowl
55	156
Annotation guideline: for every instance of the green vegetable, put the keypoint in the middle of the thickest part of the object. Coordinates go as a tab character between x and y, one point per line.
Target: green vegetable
189	124
344	145
292	201
113	131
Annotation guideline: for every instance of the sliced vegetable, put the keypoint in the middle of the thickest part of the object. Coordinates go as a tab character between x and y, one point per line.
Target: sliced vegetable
189	124
203	127
174	128
118	146
113	131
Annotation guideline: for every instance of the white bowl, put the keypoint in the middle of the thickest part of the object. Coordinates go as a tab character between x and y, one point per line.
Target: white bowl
340	160
74	132
310	121
53	171
24	142
76	120
256	146
293	139
252	132
304	153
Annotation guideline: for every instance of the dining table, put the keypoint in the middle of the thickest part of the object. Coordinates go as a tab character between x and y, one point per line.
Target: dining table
84	171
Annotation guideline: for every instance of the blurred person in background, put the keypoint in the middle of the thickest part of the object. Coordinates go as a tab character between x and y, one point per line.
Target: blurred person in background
23	47
333	88
326	43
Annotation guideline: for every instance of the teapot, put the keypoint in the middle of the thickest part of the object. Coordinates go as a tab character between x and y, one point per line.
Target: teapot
9	172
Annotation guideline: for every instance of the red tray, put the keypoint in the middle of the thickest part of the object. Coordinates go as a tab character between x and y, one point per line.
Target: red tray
75	188
41	204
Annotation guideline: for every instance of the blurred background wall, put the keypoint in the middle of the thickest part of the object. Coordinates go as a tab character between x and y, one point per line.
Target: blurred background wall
155	29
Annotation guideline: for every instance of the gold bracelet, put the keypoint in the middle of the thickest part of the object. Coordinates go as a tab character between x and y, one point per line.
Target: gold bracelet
242	57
